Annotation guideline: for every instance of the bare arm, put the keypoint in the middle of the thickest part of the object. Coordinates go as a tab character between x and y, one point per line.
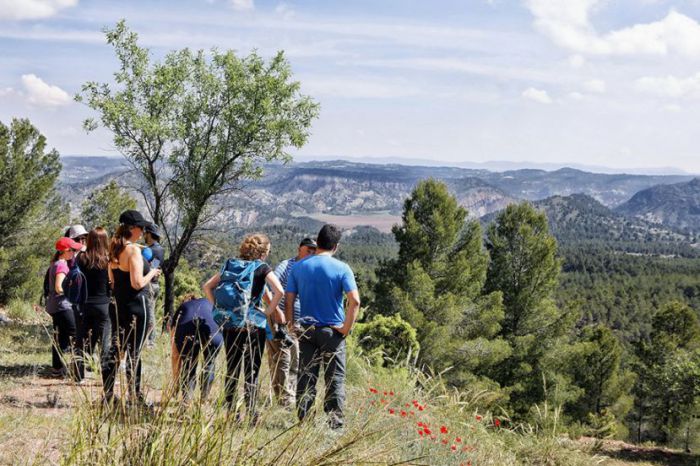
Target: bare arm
136	277
276	287
209	287
110	273
58	283
289	299
353	306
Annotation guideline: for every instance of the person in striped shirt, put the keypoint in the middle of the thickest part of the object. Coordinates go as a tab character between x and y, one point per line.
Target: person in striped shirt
284	360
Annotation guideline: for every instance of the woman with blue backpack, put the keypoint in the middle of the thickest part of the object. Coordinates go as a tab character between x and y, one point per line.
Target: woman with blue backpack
237	293
58	306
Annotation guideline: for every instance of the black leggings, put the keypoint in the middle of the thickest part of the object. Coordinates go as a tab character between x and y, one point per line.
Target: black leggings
243	348
191	339
129	322
94	328
63	338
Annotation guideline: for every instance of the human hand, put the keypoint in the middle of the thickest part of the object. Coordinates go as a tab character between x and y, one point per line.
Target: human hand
342	329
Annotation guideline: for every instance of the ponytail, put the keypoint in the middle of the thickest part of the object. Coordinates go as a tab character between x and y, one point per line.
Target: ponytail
119	242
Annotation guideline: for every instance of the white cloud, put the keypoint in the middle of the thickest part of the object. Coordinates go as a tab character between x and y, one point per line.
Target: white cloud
32	9
576	61
595	85
6	91
362	88
673	108
43	94
576	95
285	11
669	86
538	95
243	5
567	24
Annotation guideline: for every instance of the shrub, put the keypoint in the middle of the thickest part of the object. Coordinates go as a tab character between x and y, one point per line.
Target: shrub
390	339
18	309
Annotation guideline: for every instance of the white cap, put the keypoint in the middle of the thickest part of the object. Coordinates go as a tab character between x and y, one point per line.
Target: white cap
76	231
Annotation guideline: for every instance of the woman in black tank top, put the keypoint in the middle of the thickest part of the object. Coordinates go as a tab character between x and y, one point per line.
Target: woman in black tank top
129	319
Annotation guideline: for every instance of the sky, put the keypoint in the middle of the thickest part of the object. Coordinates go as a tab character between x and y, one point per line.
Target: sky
612	83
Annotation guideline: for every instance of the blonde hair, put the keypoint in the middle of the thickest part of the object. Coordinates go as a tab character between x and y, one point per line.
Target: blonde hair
254	246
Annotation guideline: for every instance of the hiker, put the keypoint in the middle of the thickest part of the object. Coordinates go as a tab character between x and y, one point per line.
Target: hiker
130	281
58	306
238	310
320	282
194	332
283	354
152	237
96	326
79	234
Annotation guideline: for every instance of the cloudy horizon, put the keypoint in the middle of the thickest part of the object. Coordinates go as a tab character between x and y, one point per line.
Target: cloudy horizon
607	83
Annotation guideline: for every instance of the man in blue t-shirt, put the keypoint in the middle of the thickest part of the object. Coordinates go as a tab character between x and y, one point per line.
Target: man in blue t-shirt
321	281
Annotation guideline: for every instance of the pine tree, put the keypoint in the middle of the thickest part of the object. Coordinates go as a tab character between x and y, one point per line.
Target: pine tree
103	206
525	269
30	213
436	283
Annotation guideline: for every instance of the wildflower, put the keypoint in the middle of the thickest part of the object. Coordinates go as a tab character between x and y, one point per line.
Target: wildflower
453	447
373	390
444	441
392	410
497	422
382	401
391	393
427	431
420	432
443	430
412	413
407	405
420	408
433	438
458	440
403	413
420	424
478	418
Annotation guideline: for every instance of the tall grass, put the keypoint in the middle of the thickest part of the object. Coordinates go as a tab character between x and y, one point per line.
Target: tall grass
394	416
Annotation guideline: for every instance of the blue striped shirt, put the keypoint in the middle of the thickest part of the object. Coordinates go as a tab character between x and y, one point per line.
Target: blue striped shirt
282	273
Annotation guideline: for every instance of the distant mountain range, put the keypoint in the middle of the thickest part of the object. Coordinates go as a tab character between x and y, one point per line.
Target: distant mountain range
577	202
675	205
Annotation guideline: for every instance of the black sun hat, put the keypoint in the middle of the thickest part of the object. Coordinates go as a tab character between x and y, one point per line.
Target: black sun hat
133	218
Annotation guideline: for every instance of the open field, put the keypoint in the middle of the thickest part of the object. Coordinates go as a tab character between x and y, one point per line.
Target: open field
49	421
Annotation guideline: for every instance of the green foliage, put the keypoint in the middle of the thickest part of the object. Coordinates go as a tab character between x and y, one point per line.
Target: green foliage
188	280
668	388
21	310
391	338
30	215
194	126
435	284
103	206
525	269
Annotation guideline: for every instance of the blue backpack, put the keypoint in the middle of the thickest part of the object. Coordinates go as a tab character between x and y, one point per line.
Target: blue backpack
233	300
75	285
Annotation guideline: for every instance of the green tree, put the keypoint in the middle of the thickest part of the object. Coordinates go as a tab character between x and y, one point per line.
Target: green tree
103	206
194	127
435	284
594	364
525	269
30	214
668	389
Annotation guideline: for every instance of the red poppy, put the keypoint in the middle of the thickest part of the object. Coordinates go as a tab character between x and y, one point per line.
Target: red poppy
383	401
420	432
420	424
391	393
420	408
458	440
392	410
444	441
432	437
412	413
497	422
478	417
427	431
373	390
454	447
403	413
407	405
443	430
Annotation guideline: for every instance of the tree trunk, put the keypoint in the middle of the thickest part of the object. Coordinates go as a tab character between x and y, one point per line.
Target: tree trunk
169	297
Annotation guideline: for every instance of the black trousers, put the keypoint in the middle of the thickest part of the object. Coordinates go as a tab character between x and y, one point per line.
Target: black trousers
95	327
322	347
244	348
191	339
129	324
63	338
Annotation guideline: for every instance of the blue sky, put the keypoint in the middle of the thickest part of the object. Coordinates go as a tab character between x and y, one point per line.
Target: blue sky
599	82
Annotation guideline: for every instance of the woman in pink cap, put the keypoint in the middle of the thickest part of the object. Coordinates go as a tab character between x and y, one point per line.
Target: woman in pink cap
58	306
